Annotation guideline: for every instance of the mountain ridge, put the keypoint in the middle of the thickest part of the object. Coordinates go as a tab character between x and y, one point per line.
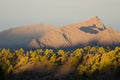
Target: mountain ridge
80	34
90	32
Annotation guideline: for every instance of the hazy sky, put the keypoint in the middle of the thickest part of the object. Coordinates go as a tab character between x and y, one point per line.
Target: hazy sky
58	12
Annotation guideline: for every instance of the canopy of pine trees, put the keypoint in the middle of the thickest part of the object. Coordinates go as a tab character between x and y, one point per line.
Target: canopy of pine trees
88	63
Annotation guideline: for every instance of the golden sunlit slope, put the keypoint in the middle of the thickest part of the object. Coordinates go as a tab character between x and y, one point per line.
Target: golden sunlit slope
108	37
71	35
90	32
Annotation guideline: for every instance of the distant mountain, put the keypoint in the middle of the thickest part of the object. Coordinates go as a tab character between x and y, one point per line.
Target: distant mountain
22	36
91	32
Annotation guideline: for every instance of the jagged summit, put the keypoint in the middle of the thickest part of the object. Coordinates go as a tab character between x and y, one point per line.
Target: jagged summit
94	22
97	22
94	18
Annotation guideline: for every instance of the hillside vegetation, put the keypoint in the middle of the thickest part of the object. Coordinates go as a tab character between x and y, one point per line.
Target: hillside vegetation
88	63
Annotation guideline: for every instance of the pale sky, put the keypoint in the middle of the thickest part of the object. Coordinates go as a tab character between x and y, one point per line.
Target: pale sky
15	13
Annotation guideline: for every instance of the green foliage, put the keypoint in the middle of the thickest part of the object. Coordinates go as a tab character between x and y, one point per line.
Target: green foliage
101	50
95	62
53	58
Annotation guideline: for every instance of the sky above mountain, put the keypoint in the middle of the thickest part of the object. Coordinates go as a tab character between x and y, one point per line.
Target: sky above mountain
15	13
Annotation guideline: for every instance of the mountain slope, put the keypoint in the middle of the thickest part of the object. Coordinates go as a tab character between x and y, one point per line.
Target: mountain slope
95	21
91	32
21	36
76	35
108	37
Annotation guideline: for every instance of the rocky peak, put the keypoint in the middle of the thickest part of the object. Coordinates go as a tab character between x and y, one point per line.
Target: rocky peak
97	22
94	22
95	18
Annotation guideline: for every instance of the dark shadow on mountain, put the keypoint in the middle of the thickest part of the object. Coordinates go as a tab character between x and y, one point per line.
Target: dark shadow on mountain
91	29
66	38
100	29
